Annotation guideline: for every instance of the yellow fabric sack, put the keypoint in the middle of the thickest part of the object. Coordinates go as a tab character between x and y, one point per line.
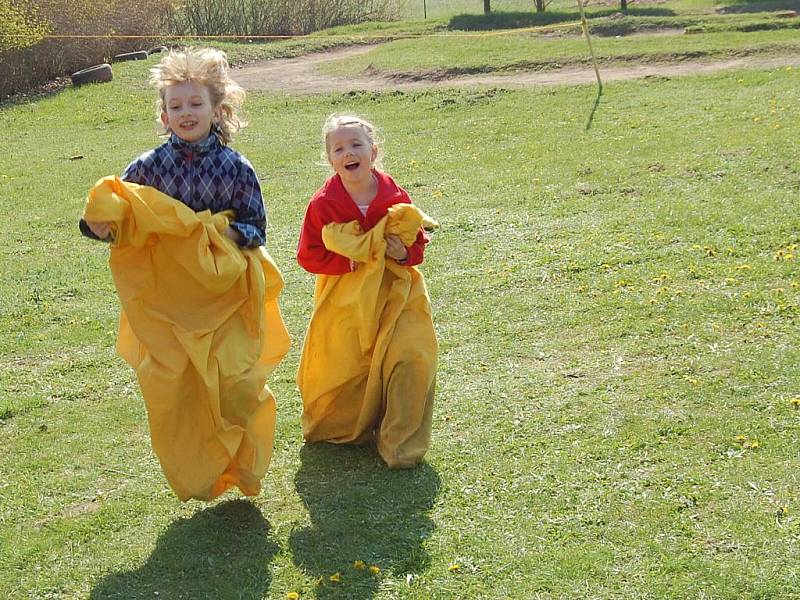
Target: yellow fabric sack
200	324
368	367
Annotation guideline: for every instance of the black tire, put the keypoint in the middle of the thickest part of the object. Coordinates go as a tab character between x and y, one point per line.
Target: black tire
157	50
139	55
95	74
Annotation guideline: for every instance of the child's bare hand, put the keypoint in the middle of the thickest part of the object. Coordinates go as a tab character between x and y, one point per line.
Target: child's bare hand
233	234
102	229
395	248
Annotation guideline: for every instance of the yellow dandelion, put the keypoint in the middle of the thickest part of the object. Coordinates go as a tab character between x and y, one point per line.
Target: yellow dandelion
741	438
795	402
746	295
359	564
292	596
752	445
454	568
336	577
743	267
374	569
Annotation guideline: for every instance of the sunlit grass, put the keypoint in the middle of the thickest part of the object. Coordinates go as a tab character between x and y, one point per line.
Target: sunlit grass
616	294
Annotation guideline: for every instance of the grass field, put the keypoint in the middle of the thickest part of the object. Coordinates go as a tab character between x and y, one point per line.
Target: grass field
616	294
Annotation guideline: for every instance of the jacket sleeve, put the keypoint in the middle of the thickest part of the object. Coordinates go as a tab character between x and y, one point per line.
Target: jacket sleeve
312	254
251	216
416	252
132	174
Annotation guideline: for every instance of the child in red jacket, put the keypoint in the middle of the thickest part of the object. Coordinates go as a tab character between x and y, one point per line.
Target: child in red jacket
369	359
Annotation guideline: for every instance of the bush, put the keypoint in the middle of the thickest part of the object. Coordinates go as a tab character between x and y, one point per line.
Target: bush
275	17
18	28
44	56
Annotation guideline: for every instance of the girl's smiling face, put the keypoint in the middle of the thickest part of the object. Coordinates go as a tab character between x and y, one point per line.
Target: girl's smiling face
188	111
351	153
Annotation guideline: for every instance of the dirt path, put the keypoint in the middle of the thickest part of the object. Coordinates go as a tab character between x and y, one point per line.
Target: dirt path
300	76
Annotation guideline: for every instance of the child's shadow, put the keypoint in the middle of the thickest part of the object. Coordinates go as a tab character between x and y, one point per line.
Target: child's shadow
361	512
220	552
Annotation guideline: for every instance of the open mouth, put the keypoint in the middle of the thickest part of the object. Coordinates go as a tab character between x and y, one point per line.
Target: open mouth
352	166
188	124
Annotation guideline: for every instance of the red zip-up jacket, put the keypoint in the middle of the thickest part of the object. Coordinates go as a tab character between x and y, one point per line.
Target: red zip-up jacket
332	204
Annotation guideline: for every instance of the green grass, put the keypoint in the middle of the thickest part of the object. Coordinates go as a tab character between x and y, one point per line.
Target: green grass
615	303
452	55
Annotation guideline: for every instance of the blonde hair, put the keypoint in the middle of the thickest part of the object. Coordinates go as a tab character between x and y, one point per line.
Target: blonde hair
207	67
336	120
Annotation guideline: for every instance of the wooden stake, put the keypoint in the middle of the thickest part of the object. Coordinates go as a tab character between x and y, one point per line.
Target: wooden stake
585	27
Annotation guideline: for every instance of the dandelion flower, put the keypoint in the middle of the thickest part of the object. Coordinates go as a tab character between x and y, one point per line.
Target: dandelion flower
795	402
292	596
359	564
374	569
454	568
741	438
336	577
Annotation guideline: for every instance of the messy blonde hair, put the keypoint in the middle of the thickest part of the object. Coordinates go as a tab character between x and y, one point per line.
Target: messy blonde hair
207	67
337	120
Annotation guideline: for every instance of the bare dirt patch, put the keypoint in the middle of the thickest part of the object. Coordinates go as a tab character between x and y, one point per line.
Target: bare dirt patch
300	75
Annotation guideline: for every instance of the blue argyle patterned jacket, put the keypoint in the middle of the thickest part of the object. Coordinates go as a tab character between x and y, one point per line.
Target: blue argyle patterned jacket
205	175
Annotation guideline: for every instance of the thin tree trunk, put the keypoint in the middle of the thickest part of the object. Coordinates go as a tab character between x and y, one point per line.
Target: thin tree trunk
487	6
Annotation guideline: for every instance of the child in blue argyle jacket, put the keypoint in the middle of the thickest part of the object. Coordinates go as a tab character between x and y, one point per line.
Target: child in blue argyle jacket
197	106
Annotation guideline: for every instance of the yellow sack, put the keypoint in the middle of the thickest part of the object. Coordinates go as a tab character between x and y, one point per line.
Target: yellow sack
368	367
200	324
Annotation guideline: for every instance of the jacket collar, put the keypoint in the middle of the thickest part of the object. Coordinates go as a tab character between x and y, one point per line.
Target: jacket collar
200	148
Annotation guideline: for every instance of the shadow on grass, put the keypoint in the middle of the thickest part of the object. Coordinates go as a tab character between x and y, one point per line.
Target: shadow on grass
753	6
517	20
220	552
594	109
361	511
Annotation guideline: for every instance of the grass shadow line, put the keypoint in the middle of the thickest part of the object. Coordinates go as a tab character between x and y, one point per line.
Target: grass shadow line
219	552
590	120
520	20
